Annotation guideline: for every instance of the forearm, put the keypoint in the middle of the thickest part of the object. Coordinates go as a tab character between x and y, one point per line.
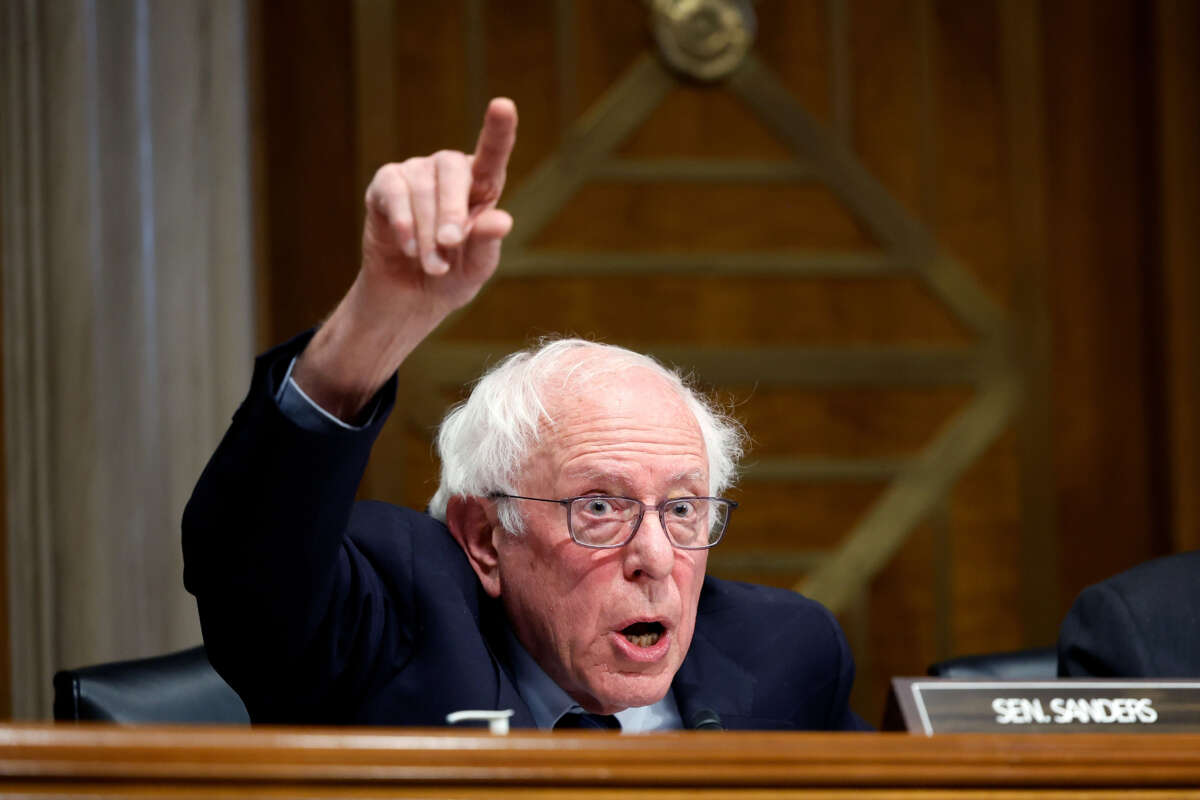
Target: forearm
360	347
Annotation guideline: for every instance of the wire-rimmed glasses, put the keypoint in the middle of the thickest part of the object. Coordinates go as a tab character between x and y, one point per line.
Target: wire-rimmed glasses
605	522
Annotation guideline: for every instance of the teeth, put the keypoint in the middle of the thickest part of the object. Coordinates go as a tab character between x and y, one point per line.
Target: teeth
643	639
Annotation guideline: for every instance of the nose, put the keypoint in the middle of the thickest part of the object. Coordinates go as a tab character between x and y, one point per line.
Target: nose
650	553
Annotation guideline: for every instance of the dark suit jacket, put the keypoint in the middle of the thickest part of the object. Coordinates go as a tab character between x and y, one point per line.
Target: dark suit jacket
1143	623
318	609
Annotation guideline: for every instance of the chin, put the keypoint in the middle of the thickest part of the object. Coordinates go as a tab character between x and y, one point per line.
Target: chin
619	692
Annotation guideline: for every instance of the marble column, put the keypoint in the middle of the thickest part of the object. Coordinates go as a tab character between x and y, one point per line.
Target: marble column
127	303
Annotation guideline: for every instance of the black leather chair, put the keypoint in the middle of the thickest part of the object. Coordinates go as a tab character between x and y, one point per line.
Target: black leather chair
1035	664
177	687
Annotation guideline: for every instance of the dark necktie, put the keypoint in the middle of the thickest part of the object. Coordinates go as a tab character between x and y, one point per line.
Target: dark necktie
576	720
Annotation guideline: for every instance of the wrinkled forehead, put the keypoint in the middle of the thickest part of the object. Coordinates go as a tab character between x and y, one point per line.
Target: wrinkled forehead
619	417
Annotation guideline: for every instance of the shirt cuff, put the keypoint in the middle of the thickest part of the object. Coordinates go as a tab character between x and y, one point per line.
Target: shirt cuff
304	412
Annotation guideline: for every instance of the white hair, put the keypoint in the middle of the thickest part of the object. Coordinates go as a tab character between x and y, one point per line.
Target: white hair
484	442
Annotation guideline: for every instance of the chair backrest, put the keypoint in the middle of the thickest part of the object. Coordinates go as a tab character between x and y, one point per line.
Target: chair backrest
1038	663
177	687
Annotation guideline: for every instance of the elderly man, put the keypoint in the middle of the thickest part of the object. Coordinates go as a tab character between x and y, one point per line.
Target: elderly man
560	572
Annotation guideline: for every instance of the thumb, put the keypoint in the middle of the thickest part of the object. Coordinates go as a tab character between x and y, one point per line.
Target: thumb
492	224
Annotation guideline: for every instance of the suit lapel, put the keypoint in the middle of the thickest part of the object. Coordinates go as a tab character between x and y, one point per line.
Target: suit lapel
491	625
710	680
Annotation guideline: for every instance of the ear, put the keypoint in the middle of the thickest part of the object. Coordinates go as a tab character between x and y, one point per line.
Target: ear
472	522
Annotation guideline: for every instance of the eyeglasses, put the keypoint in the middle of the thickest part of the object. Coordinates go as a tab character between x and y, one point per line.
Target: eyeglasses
603	522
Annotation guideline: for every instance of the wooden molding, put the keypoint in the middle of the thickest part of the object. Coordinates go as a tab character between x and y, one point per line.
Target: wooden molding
106	760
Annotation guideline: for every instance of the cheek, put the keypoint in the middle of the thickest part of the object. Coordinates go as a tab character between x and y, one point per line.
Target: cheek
689	578
523	576
690	570
583	588
529	601
546	584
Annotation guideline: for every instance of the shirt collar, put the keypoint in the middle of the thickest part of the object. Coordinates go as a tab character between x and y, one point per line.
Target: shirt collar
545	698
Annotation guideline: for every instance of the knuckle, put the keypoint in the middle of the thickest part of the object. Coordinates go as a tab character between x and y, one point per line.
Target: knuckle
421	181
414	169
375	198
448	157
387	180
421	184
387	174
489	188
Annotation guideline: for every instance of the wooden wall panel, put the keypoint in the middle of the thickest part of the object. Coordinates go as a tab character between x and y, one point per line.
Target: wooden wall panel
1100	220
985	522
844	422
795	40
687	217
520	52
1026	154
970	183
5	636
809	516
929	125
903	629
757	310
892	103
609	35
311	195
694	122
426	52
1177	29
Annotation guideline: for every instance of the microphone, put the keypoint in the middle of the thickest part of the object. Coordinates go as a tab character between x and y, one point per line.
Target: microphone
705	719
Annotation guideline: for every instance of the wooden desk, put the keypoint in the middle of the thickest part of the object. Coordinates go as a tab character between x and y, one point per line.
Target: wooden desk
107	761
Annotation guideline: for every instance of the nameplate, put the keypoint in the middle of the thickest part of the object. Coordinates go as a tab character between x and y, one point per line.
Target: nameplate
932	706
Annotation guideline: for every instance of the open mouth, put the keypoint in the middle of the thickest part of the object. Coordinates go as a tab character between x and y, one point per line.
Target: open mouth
643	634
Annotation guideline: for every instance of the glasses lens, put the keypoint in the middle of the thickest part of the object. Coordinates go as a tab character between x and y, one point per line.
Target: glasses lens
603	521
695	521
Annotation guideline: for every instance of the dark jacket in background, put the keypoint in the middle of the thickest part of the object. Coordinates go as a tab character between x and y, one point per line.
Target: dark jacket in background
1143	623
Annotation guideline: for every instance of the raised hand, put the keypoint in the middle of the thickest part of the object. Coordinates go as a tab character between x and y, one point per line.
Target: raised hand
432	226
431	239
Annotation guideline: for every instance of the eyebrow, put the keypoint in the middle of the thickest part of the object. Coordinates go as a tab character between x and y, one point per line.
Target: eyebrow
690	475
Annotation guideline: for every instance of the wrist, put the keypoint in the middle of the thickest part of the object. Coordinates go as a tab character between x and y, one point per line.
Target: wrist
358	348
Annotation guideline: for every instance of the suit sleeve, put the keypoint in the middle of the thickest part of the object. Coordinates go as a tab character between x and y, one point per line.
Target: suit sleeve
1099	638
293	614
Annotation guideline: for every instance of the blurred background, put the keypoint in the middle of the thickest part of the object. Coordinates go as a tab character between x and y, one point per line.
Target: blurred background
939	257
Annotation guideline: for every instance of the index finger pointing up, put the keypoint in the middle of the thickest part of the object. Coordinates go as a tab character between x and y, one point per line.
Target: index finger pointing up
496	140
